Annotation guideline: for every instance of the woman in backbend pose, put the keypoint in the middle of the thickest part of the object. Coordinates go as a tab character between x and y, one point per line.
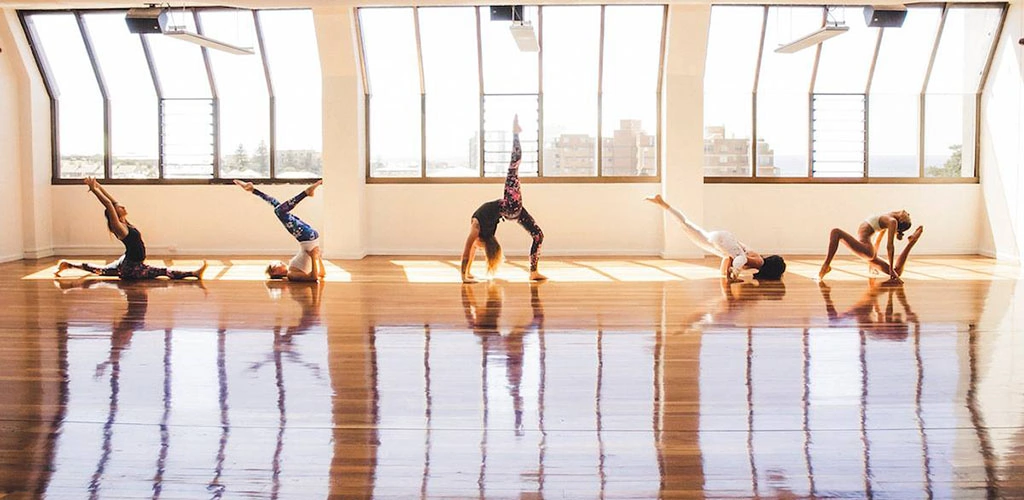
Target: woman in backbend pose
129	266
510	207
891	224
307	264
735	255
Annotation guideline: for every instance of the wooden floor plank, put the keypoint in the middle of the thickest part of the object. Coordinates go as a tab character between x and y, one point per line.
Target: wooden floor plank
620	377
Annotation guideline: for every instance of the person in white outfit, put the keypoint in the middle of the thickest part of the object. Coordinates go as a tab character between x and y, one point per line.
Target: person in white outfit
735	255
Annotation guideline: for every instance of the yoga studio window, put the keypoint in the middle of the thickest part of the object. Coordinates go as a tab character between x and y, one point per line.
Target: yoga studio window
151	108
444	83
893	101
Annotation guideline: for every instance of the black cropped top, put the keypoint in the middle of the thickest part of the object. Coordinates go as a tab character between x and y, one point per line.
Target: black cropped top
134	248
488	216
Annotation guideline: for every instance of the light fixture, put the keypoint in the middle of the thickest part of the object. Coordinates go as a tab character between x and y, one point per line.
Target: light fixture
156	20
525	36
814	38
208	42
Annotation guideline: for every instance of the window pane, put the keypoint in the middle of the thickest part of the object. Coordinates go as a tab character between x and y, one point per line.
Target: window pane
893	135
838	135
392	68
242	97
846	59
629	104
894	101
133	104
498	114
783	90
293	59
80	104
963	50
452	84
179	64
949	126
905	51
507	70
188	138
188	109
572	37
733	40
964	46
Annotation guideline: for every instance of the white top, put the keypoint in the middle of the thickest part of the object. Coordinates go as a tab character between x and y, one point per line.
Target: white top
301	260
874	222
727	245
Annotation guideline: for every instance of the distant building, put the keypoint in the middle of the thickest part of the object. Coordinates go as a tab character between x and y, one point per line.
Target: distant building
730	156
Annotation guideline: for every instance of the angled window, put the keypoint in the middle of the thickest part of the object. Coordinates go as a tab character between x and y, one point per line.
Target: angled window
293	62
953	93
894	112
572	37
75	93
629	89
134	134
729	69
392	72
243	102
452	91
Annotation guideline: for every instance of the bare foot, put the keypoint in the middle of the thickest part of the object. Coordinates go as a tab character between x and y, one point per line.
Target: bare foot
469	279
535	276
61	267
892	281
516	129
824	270
656	199
244	185
312	187
199	272
917	234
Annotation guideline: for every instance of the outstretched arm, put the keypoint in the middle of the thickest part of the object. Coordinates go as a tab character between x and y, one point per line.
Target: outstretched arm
469	250
890	247
115	224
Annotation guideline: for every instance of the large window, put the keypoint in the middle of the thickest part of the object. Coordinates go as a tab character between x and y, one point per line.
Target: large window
135	107
868	103
444	83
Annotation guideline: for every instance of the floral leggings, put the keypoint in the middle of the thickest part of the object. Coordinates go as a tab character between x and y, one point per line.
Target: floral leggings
299	229
128	270
512	204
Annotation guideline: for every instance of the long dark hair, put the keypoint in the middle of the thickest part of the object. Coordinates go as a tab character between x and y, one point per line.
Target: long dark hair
110	220
493	252
772	269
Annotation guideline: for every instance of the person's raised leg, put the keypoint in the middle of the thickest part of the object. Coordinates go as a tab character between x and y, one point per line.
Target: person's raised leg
912	240
863	249
512	201
530	225
695	233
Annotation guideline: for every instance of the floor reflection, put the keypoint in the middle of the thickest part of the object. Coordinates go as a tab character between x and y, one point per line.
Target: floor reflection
504	389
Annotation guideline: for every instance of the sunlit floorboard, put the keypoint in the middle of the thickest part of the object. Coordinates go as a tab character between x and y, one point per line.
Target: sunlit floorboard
620	377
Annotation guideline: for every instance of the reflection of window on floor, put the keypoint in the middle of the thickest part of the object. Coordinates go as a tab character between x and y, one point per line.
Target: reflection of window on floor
167	410
534	412
848	421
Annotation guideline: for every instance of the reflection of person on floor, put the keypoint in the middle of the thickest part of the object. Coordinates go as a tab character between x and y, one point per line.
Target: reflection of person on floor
736	298
133	319
881	323
307	295
508	349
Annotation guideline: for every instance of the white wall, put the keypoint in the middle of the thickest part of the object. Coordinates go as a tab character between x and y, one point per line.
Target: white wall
182	220
796	219
1002	150
594	219
11	242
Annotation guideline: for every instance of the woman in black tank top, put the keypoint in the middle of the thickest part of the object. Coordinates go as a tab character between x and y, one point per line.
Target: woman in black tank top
129	266
510	207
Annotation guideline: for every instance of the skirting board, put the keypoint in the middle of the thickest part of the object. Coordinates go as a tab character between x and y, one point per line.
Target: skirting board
10	258
166	251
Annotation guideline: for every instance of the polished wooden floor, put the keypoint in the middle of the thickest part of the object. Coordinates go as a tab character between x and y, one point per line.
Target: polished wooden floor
624	377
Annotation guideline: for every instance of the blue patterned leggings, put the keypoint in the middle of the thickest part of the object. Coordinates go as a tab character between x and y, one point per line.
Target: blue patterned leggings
299	229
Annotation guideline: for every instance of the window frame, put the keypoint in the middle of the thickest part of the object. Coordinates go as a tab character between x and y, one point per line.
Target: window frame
540	177
47	76
865	178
